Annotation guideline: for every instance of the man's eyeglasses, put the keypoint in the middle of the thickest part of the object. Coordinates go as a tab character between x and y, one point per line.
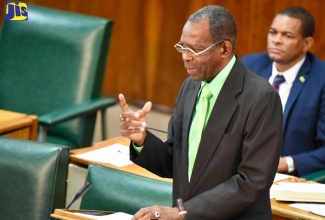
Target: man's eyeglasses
182	49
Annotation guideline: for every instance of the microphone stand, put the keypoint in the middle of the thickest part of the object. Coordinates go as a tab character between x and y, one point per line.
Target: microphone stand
79	194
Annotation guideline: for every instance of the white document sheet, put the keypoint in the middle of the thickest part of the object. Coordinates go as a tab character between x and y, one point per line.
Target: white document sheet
114	216
302	187
116	154
316	208
280	176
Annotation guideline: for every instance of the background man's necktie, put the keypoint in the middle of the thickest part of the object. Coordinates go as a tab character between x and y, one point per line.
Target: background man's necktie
277	81
197	127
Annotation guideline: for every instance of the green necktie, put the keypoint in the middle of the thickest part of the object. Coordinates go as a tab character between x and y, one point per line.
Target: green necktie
197	127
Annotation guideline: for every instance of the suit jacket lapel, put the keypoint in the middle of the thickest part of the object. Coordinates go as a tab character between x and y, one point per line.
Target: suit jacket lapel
301	78
220	117
298	84
189	106
267	72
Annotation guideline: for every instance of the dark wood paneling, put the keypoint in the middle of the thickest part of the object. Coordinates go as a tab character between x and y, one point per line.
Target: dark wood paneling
142	62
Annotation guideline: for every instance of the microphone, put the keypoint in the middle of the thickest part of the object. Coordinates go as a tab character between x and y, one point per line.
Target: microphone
81	192
155	129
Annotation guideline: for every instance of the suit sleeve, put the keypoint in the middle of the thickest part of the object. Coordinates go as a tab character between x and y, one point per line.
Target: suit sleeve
311	160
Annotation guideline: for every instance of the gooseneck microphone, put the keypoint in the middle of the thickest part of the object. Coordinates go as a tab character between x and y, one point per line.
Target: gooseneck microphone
155	129
81	192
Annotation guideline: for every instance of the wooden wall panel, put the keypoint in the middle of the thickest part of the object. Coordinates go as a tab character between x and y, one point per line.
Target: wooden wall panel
142	62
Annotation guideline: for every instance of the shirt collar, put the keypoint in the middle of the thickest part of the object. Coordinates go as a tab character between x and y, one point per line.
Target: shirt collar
291	73
218	81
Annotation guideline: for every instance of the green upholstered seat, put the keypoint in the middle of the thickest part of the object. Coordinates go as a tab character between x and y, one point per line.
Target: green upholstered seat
317	176
115	190
53	66
32	179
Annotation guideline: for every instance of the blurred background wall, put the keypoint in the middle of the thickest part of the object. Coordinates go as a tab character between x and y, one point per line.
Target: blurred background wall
142	63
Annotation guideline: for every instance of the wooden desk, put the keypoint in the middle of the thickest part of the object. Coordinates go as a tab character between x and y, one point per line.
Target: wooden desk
18	125
280	210
133	168
70	214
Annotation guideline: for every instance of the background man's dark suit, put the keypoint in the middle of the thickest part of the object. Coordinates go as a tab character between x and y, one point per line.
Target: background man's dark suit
304	113
238	155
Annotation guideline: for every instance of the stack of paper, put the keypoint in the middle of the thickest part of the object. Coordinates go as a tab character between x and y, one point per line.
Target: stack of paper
299	192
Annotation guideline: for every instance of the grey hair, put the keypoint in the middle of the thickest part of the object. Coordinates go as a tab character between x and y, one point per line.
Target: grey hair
222	24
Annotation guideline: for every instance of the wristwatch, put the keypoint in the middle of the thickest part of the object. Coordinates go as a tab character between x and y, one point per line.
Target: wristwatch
291	165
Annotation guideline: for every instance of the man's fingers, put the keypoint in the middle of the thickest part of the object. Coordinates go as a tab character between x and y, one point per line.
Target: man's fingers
125	124
124	106
128	114
145	109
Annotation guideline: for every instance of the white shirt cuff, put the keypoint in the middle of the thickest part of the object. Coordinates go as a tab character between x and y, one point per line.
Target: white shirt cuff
291	165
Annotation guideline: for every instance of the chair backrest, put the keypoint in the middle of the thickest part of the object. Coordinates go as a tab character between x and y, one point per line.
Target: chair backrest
115	190
33	179
53	60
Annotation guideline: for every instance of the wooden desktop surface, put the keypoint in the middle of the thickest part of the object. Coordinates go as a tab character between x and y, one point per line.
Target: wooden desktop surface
64	214
280	210
18	125
133	168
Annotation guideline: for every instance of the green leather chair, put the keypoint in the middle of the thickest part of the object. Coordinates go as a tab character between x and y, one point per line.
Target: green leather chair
53	66
317	176
119	191
33	179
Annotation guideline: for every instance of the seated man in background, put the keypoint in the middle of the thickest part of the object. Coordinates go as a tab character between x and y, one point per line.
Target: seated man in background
299	77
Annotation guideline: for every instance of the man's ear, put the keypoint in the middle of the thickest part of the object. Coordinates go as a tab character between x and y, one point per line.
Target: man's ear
308	42
226	48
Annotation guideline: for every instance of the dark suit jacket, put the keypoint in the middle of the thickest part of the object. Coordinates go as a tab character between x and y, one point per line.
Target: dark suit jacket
304	113
238	154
